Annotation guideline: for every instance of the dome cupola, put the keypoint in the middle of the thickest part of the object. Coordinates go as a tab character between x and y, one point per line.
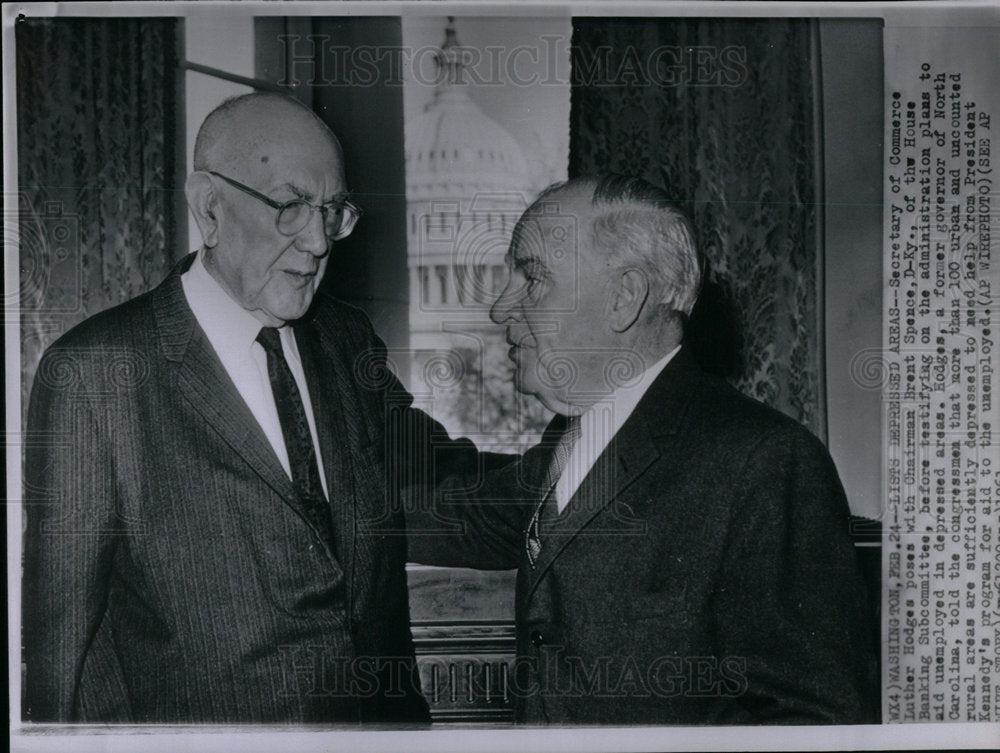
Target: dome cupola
453	148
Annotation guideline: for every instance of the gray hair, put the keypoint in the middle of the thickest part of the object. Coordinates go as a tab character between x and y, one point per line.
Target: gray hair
637	225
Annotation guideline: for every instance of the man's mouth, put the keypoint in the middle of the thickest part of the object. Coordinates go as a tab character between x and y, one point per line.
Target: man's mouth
299	278
516	345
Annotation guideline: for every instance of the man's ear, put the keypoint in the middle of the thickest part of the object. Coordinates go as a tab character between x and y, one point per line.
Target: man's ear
628	297
204	204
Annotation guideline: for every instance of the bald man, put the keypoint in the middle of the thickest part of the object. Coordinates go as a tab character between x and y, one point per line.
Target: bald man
209	522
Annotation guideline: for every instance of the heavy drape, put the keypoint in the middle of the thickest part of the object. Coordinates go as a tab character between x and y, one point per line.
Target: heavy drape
96	164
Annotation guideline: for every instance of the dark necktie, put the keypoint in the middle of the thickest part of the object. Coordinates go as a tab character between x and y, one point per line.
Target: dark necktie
547	506
298	438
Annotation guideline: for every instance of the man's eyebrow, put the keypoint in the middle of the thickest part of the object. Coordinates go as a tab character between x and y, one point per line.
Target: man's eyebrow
521	262
302	193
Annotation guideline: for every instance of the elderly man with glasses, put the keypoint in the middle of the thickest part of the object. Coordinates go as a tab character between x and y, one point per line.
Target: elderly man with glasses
209	513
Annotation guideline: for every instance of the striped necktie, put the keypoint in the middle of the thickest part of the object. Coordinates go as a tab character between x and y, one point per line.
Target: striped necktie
298	438
560	455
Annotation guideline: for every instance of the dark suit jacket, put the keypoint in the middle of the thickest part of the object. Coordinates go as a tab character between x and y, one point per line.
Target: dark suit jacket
702	573
169	574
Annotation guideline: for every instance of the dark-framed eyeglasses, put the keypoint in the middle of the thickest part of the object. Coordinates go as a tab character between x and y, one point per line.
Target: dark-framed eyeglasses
339	217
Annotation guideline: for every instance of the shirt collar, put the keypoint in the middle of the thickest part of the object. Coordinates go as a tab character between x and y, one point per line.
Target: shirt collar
230	328
624	400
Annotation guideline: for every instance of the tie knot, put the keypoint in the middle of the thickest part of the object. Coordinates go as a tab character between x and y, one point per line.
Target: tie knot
572	432
563	448
270	340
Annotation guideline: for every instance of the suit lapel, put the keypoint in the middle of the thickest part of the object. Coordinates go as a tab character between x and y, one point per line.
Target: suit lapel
330	430
202	380
629	454
205	384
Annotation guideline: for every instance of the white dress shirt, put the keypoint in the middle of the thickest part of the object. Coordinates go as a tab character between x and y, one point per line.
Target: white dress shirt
232	332
598	425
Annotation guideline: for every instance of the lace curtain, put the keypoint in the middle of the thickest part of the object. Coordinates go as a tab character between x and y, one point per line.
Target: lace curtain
96	164
720	113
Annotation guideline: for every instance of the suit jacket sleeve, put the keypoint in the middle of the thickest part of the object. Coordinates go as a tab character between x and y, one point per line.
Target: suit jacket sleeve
793	611
480	523
70	506
476	523
445	485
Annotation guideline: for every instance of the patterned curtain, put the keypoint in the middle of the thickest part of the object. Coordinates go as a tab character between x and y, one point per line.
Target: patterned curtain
96	167
720	113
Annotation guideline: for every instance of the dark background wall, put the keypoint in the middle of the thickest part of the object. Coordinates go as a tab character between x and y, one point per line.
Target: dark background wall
851	52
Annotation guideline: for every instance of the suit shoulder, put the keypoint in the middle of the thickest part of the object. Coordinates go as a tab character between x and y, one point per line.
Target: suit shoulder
769	462
335	316
109	343
746	421
127	324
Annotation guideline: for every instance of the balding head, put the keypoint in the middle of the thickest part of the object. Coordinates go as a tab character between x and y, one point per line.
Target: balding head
245	130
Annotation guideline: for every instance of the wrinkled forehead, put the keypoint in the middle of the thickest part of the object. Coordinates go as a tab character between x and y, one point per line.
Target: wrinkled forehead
292	149
553	229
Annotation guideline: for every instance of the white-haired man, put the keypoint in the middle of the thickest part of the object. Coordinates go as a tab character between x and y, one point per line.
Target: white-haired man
682	550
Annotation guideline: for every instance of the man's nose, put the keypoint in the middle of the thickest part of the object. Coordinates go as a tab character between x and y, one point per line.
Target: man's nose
505	307
312	238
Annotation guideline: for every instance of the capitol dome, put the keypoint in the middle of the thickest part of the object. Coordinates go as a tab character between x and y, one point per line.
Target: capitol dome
453	148
467	183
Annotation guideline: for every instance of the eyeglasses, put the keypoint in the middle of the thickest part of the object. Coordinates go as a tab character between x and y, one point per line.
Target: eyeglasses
339	217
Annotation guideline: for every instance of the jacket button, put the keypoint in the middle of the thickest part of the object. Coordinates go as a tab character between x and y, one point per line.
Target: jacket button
537	639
